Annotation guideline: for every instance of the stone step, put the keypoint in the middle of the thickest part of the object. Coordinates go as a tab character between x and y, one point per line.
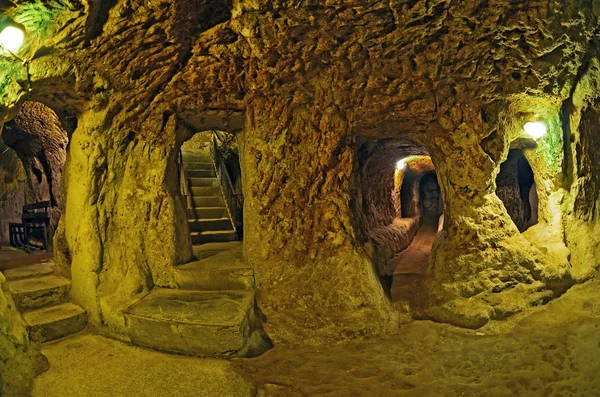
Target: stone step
196	157
200	173
35	270
208	201
221	271
207	212
31	293
55	322
203	182
213	236
199	323
201	225
196	165
205	190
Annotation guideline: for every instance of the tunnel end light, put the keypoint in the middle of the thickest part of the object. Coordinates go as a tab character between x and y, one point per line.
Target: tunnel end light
536	129
400	165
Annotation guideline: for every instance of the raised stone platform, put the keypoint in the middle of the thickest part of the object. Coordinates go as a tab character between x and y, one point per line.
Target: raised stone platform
200	323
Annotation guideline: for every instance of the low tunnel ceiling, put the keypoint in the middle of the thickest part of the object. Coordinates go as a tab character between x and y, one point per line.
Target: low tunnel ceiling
381	155
400	66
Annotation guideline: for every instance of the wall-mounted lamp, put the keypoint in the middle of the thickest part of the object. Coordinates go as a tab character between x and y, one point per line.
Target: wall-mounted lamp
401	164
536	129
11	39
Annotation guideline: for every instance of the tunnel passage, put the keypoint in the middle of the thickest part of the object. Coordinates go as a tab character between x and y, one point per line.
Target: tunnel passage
38	138
516	188
400	205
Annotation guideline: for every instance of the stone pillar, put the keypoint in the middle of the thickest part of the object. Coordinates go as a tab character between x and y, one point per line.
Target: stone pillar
125	223
314	282
480	248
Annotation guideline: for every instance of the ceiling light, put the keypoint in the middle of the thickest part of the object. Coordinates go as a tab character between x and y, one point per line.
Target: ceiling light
535	129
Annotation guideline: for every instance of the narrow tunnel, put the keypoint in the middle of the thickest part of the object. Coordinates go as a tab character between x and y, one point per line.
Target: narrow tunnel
401	211
39	140
516	188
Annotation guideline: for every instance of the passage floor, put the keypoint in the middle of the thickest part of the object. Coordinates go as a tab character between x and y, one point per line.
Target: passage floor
552	351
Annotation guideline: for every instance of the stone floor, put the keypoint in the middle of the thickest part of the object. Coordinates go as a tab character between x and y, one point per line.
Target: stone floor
551	351
87	365
11	258
410	265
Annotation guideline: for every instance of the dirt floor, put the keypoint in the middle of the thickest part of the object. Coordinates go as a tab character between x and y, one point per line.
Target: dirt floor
552	351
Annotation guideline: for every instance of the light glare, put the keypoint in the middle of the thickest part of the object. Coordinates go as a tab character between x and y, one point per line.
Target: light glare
401	164
11	38
535	129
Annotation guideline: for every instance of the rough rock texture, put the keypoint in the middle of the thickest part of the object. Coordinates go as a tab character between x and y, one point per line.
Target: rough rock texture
431	197
303	80
39	140
12	189
552	352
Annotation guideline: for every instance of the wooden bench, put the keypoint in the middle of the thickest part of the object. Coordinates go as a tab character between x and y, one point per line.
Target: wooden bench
35	222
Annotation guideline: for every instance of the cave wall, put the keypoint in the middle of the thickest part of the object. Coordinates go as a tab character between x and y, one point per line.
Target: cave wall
582	216
410	195
430	197
301	82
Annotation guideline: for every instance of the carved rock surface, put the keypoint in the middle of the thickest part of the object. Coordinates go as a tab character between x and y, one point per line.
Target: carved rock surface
303	83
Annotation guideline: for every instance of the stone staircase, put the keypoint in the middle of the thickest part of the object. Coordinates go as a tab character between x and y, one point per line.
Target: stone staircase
43	300
212	314
209	218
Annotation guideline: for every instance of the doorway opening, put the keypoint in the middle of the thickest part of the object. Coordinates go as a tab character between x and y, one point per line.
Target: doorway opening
401	206
31	209
210	181
516	188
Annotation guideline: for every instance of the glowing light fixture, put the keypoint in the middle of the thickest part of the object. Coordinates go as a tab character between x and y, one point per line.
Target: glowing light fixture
401	164
535	129
12	38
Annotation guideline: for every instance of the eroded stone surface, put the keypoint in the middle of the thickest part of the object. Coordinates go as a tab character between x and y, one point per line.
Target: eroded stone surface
306	81
94	366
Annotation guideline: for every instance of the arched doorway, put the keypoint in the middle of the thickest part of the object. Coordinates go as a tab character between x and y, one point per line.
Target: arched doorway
516	188
38	139
400	207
